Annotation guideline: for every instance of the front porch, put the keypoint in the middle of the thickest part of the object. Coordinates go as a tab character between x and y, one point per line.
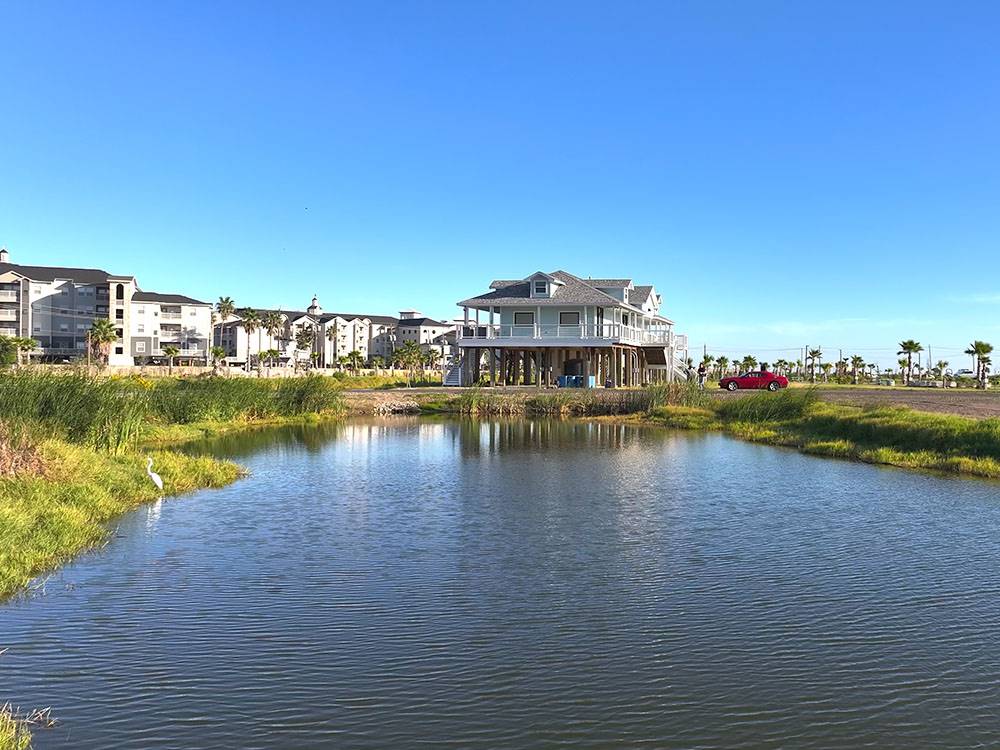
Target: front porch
541	366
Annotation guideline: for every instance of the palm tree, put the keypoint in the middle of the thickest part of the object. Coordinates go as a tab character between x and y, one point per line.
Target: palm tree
102	335
378	362
226	309
813	356
272	322
723	364
909	348
857	365
826	367
217	353
978	350
355	360
304	339
940	367
748	363
250	322
170	351
409	355
24	346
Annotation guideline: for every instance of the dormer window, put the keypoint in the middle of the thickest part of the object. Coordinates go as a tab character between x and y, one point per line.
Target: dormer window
541	287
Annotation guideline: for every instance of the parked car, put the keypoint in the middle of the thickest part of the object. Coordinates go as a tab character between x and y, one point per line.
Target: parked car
964	374
754	380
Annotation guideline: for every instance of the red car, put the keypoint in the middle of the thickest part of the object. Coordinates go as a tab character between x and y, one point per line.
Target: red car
758	379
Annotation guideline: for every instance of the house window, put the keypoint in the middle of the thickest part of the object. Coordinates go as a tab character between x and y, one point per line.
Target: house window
141	328
119	350
569	318
119	314
140	347
524	319
120	293
541	287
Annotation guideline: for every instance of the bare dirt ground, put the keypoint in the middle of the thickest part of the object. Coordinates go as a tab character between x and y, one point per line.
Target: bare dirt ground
967	403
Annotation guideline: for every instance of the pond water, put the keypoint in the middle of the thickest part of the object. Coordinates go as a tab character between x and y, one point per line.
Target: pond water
412	583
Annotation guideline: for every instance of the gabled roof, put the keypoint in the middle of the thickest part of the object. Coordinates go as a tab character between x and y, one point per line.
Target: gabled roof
51	273
170	299
421	322
572	291
379	319
640	294
610	283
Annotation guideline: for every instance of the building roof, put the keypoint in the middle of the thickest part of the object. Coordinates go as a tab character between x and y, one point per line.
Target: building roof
640	294
574	291
610	283
380	319
172	299
421	322
51	273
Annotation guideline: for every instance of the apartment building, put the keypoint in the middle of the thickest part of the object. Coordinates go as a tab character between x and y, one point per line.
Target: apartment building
160	320
56	306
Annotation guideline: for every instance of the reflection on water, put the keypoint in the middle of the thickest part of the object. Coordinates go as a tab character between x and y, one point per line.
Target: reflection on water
404	582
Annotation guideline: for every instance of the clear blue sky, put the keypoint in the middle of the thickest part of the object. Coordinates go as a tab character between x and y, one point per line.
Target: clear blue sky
785	174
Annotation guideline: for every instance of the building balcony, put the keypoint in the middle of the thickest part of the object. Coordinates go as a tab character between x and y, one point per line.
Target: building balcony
8	295
602	334
170	316
8	314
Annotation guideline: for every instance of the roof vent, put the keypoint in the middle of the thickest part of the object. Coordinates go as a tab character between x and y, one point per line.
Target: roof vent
4	255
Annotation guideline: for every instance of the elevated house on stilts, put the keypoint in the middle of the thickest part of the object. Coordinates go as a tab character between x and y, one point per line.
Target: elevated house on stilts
531	331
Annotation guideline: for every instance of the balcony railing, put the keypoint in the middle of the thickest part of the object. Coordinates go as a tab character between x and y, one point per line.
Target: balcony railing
615	332
170	316
181	352
8	295
8	314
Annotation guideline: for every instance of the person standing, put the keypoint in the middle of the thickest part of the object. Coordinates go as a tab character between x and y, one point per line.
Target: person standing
702	375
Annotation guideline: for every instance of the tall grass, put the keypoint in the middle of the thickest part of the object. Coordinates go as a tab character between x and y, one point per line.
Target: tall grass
571	402
111	413
767	407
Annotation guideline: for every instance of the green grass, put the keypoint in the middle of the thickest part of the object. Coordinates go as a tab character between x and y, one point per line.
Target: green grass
47	518
14	734
116	414
896	436
591	402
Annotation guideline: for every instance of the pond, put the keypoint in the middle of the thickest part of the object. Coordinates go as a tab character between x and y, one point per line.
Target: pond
398	583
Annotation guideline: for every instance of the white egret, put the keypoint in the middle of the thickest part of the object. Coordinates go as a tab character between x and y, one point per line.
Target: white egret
152	474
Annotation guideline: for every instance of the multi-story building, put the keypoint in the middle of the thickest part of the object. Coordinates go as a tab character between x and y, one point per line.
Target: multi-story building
161	320
56	306
552	324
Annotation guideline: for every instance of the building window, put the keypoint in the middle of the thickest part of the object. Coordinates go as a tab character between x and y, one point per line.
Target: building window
119	350
120	293
524	319
140	347
63	327
569	318
119	315
141	328
141	309
541	287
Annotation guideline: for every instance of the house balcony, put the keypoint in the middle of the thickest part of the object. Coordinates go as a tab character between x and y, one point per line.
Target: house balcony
8	295
528	336
8	314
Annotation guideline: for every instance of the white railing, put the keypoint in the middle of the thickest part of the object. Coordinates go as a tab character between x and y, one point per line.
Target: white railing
8	295
170	316
8	314
599	331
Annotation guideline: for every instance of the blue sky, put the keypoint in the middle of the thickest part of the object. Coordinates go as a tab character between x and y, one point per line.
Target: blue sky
785	174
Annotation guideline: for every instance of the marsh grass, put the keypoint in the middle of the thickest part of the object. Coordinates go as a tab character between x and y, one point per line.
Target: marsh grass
114	414
895	436
47	518
591	402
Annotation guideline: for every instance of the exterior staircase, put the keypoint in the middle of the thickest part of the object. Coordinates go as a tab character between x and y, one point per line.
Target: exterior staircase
453	378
